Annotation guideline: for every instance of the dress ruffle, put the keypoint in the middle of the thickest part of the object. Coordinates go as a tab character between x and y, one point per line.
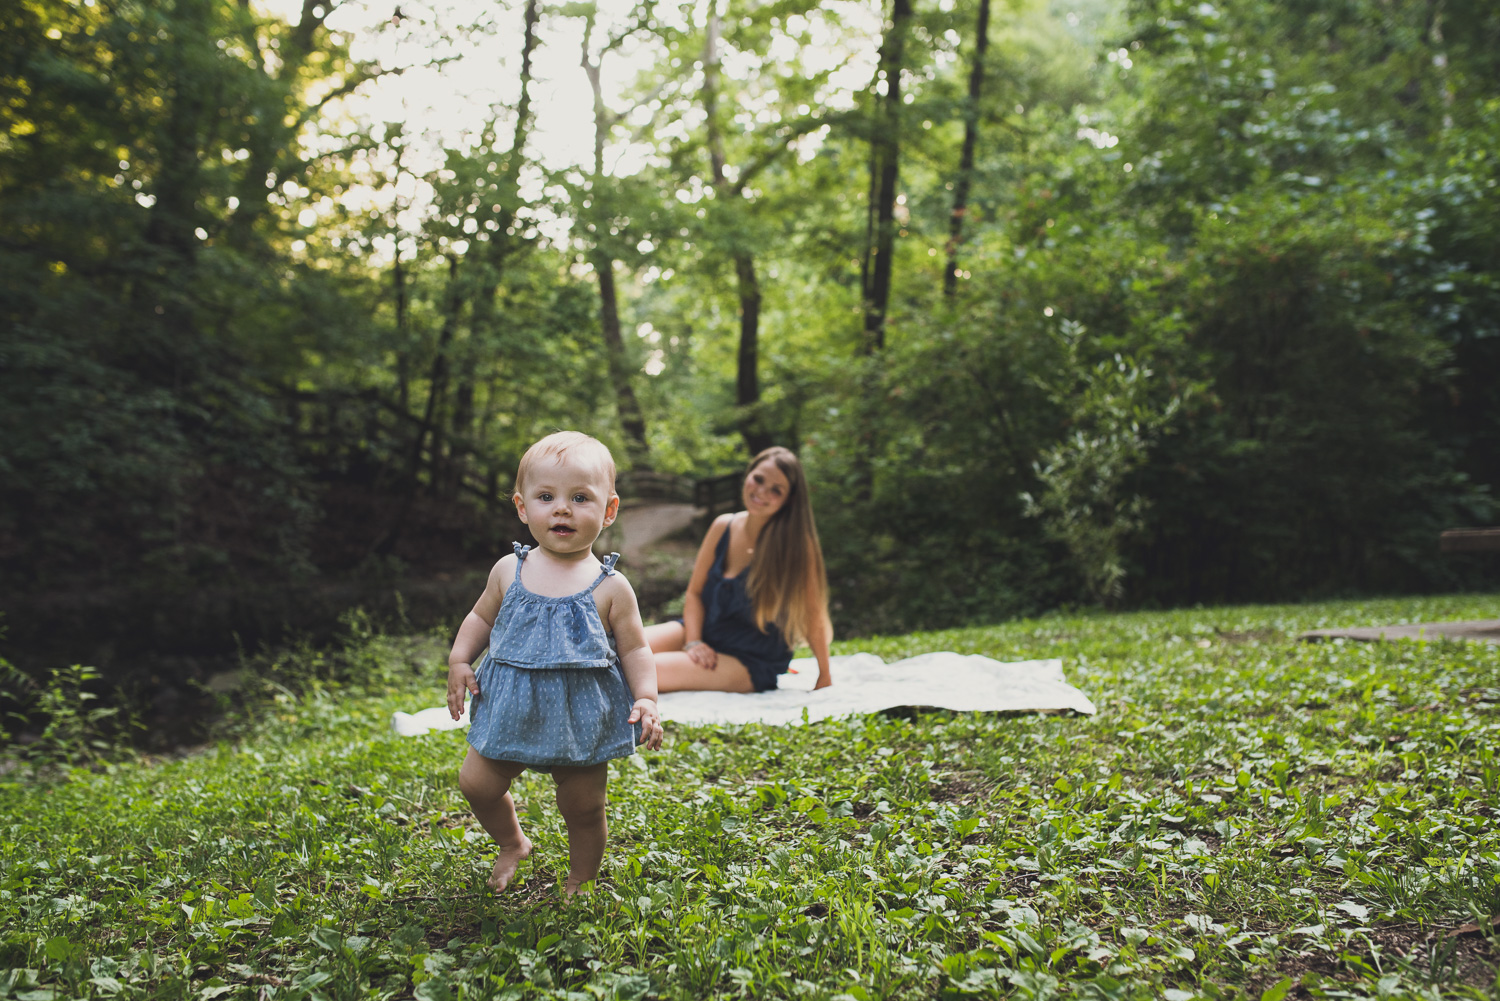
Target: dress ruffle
551	634
543	719
537	632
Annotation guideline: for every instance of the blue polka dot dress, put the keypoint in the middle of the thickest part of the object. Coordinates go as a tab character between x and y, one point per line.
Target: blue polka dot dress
551	689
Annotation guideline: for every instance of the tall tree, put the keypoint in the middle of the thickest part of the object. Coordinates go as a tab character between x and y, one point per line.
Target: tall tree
599	253
495	241
129	318
739	158
885	152
747	285
286	57
965	177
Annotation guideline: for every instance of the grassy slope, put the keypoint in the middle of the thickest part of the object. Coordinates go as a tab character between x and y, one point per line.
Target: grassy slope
1246	816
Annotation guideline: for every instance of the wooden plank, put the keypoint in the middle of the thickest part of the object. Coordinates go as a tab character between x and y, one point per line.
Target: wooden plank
1484	630
1470	540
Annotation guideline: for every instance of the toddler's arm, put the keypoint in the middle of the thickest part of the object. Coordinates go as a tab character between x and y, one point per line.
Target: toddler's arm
635	658
473	637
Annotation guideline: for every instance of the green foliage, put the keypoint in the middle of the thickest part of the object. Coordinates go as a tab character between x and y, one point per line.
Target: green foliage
253	352
144	452
1246	816
1303	275
68	731
1245	205
1113	421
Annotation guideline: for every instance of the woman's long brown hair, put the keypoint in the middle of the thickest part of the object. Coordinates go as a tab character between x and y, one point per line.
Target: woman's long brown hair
786	580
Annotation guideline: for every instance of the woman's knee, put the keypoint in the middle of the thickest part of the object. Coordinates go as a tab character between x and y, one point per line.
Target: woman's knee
664	637
679	673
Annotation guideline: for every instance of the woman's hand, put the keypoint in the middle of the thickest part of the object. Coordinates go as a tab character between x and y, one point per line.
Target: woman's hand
703	655
461	680
646	713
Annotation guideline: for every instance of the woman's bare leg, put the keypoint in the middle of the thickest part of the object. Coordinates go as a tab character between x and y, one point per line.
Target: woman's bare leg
677	672
665	637
485	783
581	796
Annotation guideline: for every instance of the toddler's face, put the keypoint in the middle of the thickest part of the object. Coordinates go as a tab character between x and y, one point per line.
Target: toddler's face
566	504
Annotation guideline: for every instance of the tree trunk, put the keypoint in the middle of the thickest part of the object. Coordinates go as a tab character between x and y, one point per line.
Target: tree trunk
747	287
966	158
403	331
619	371
884	162
493	255
632	421
163	339
442	367
747	385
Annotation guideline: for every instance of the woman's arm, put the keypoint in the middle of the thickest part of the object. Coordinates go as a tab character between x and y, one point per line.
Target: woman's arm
819	636
692	601
818	641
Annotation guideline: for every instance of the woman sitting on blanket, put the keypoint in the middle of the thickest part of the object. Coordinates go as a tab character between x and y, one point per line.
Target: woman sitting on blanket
758	589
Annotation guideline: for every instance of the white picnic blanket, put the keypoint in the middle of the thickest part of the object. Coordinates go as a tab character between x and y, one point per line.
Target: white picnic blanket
862	683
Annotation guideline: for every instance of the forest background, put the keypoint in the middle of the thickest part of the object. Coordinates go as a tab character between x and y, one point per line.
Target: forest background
1121	302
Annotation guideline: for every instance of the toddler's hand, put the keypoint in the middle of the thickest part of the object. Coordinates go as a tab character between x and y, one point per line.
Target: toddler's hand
704	656
460	680
649	716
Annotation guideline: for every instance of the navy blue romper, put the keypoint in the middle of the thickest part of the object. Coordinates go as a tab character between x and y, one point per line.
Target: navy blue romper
729	624
551	689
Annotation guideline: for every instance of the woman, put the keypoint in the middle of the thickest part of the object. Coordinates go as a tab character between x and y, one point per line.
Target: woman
758	589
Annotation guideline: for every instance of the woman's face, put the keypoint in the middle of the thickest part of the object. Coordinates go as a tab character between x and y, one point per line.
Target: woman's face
766	489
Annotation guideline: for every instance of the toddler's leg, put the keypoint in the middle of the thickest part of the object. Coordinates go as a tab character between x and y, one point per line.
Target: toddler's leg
485	783
581	798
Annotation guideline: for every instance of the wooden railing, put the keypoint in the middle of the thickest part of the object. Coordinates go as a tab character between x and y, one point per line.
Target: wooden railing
647	486
718	494
714	494
371	438
1470	540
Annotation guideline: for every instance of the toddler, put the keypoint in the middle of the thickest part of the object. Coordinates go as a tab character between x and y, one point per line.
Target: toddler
564	679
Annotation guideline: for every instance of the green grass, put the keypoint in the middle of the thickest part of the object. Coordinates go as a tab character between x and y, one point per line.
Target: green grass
1247	816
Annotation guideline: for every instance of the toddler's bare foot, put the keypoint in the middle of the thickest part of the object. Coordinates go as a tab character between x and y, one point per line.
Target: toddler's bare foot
506	862
574	886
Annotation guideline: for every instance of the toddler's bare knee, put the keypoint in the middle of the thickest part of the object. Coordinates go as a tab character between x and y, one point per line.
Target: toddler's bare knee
586	813
475	784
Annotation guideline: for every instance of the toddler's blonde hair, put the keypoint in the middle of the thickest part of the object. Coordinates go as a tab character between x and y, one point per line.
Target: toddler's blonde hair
560	443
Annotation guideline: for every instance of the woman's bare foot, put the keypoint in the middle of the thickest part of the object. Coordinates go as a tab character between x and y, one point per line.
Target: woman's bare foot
506	863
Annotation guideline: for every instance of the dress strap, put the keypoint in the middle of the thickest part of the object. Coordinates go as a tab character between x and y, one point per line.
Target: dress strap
521	551
606	569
